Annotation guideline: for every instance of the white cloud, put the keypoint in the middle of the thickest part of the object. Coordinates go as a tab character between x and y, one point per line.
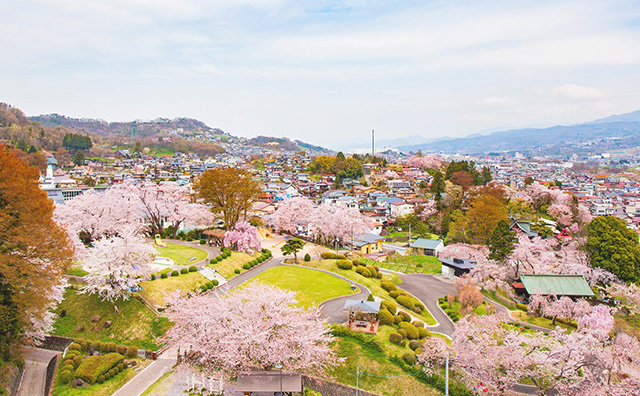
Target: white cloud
578	92
497	101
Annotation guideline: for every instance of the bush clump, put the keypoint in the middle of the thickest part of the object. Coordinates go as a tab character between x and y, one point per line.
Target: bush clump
184	271
66	376
412	331
403	333
307	257
522	307
345	264
100	379
193	268
153	276
410	358
389	306
246	266
417	323
395	338
405	301
394	294
163	275
397	319
423	333
385	317
405	316
175	273
94	366
388	286
215	282
340	257
74	347
132	352
366	273
327	255
414	344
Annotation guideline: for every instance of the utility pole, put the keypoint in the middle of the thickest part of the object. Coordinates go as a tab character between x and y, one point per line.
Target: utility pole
446	371
357	380
373	151
409	234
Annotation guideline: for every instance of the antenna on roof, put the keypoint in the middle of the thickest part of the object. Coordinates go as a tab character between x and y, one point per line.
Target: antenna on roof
373	139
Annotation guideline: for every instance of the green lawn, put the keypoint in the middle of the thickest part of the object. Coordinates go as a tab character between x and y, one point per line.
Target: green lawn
104	389
375	371
133	325
156	291
312	287
372	284
181	254
227	266
77	271
538	321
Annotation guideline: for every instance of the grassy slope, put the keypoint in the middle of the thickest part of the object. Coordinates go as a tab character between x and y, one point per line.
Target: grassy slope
156	291
134	325
181	254
312	287
377	368
233	262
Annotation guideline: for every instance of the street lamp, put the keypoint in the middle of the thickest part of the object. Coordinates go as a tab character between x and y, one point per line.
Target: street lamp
279	367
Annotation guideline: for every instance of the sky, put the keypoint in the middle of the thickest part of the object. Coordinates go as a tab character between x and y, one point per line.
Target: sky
325	72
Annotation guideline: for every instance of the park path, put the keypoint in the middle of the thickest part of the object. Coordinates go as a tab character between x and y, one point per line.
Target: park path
35	371
150	374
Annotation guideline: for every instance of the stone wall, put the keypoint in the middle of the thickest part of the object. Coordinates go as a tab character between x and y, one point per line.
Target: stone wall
56	343
51	372
14	380
328	388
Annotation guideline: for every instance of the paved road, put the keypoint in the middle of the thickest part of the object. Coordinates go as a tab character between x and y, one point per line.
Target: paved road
428	288
35	371
149	374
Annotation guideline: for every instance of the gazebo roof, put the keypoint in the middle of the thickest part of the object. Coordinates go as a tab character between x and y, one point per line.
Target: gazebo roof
269	381
214	233
362	306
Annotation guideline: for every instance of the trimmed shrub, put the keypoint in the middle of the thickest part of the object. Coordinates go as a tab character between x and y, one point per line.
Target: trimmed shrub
307	257
175	273
405	301
341	257
246	266
372	270
360	270
213	261
184	271
132	352
209	285
84	345
74	347
111	347
345	264
403	333
403	343
121	349
379	276
388	286
66	376
412	331
153	276
204	288
327	255
395	338
77	359
94	366
389	306
113	372
414	344
417	309
203	241
101	379
370	297
410	358
417	323
236	271
163	275
215	282
394	294
68	366
405	316
422	332
107	376
189	239
356	262
385	317
397	319
522	307
193	268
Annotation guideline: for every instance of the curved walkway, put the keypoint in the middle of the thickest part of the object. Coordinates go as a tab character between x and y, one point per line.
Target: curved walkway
210	250
35	371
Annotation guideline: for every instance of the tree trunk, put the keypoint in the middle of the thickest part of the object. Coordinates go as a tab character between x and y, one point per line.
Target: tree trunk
295	257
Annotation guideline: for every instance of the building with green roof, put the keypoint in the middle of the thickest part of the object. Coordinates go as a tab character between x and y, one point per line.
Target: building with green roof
558	284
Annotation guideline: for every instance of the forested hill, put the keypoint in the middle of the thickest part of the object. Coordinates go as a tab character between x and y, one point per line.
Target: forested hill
283	144
140	128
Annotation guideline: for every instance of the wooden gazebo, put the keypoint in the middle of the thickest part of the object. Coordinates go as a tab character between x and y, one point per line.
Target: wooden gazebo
214	237
278	382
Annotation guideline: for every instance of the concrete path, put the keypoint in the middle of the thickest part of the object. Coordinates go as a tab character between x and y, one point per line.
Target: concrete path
150	374
35	371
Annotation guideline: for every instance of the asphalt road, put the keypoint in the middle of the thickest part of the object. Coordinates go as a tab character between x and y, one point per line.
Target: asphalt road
35	371
428	288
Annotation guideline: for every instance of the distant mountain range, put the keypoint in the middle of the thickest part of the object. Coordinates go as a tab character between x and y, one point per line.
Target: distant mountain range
613	133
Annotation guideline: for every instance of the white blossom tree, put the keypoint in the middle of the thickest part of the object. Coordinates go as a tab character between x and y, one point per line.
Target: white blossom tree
254	327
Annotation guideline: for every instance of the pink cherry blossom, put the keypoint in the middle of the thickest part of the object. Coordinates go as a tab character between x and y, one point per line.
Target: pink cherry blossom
244	237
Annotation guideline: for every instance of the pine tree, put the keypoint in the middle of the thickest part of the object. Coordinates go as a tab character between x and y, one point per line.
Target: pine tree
438	185
501	241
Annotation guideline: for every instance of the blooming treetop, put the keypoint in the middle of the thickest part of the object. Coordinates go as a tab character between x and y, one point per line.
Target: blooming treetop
244	236
628	295
171	201
255	327
291	213
430	161
428	209
114	264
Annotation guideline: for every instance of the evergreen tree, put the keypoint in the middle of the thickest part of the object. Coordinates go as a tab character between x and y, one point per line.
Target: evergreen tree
501	241
614	247
486	175
293	246
78	158
438	185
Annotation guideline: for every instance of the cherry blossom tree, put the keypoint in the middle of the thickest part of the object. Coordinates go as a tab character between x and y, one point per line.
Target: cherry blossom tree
291	213
244	237
563	307
468	294
254	327
92	215
331	222
171	201
115	265
435	350
627	295
428	209
430	161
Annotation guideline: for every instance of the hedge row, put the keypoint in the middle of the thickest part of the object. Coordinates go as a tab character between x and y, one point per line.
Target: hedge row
165	275
95	366
405	299
455	316
224	253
